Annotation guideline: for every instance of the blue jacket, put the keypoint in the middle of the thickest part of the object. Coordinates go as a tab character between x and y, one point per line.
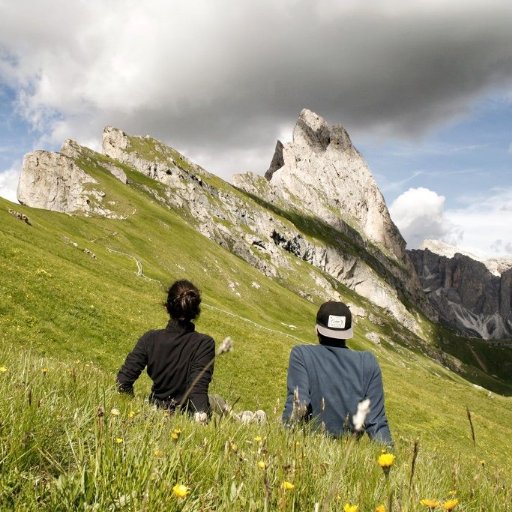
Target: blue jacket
331	381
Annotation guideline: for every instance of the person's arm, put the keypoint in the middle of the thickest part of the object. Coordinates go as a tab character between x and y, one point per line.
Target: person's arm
135	362
298	394
201	372
376	423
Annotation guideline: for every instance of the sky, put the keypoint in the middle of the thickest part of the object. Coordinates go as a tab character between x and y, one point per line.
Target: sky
424	88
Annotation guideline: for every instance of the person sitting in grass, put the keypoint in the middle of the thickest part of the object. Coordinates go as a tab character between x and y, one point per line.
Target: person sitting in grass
179	360
332	386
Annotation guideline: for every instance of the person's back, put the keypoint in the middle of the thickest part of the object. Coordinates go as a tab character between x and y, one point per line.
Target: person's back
179	360
327	382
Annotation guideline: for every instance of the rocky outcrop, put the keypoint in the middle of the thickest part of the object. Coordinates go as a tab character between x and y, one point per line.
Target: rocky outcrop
54	182
62	182
468	296
321	175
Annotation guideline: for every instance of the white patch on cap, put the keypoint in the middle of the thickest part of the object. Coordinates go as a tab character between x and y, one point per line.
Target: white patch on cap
336	322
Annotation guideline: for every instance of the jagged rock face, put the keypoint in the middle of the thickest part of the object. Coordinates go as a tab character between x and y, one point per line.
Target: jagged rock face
247	229
72	149
467	295
322	173
54	182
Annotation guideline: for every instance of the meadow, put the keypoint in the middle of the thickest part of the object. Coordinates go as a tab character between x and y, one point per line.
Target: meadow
77	292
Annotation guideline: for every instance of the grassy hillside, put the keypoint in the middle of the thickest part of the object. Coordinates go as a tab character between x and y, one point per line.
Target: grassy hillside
78	292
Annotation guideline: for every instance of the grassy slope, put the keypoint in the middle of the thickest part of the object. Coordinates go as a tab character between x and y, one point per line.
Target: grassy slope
59	301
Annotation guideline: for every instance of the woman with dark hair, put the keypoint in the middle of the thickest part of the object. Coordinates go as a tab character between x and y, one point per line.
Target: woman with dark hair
179	360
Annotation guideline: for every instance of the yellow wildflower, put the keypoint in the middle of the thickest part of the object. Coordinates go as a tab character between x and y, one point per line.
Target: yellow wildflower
287	486
430	504
386	460
450	504
131	414
350	508
175	434
261	464
452	493
119	440
180	491
258	439
3	369
380	508
44	370
115	412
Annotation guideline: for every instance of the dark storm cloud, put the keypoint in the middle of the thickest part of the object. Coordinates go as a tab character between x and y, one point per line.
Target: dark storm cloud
222	80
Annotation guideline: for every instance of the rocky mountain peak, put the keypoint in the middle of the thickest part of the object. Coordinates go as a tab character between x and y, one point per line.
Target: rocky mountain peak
312	131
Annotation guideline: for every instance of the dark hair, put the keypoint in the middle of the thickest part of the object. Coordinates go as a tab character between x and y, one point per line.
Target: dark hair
183	300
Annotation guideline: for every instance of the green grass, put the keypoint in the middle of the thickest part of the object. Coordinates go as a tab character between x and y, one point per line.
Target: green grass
70	442
78	316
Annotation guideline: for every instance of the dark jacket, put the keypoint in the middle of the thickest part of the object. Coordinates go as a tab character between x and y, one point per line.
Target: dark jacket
330	382
175	357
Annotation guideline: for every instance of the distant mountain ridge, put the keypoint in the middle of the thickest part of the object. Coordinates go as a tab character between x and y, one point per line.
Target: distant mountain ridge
474	297
318	204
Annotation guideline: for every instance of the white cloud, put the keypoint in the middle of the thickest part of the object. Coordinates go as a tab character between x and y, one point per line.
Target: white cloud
482	225
9	184
486	220
419	215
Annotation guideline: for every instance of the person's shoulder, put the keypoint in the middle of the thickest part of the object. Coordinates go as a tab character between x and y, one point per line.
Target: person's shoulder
201	337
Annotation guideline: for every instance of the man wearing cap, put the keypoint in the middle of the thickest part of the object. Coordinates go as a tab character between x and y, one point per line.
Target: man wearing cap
327	382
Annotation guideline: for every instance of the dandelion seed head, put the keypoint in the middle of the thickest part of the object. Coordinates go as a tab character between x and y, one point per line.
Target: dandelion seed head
225	346
115	412
201	417
363	408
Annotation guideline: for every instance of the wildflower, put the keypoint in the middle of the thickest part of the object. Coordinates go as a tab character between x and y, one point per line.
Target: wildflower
287	486
175	434
225	346
452	493
119	440
3	369
131	414
44	370
450	504
350	508
180	491
380	508
386	460
258	439
261	464
363	408
158	453
430	504
115	412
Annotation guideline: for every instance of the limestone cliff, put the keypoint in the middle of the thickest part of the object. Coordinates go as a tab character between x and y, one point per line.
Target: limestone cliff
469	297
